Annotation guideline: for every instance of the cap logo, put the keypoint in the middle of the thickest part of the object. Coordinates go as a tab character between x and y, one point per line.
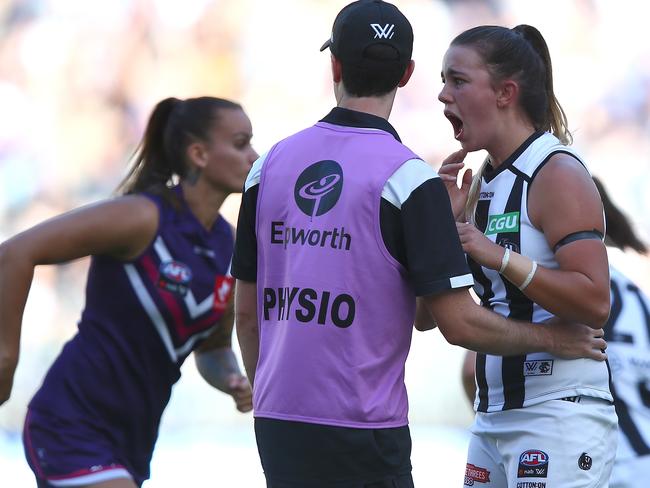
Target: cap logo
383	32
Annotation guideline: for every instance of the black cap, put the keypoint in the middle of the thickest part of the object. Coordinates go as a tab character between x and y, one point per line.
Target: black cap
367	22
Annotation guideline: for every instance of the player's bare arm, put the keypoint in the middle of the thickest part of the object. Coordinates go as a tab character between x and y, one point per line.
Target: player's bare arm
579	289
246	323
122	227
217	364
564	204
464	323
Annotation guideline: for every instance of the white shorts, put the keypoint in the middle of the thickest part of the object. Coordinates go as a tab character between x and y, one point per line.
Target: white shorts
555	444
630	473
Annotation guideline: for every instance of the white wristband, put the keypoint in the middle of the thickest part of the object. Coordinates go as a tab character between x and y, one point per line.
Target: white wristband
504	260
529	278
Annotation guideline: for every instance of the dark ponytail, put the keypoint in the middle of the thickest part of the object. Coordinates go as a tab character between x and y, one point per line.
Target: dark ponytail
556	120
161	155
619	231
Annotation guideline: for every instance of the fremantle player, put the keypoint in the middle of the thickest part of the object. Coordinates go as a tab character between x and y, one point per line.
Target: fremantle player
158	288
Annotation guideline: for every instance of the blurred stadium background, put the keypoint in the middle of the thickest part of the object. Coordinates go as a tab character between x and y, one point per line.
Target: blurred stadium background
77	82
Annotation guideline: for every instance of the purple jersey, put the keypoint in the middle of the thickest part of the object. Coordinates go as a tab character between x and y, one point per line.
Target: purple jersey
141	320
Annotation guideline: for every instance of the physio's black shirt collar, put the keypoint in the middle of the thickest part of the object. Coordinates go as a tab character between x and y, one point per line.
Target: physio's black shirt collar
352	118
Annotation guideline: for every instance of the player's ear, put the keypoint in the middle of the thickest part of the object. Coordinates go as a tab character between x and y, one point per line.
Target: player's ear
407	74
507	93
336	69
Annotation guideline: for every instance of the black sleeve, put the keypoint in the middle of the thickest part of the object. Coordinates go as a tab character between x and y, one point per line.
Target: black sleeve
434	256
244	259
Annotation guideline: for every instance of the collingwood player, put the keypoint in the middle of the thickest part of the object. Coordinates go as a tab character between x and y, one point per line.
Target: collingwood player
535	247
628	334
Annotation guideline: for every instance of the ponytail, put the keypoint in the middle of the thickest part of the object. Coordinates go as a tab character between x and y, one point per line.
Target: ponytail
161	156
474	192
619	231
151	167
556	122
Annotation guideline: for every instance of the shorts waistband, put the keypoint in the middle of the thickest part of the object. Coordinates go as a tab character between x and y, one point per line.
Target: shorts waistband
585	400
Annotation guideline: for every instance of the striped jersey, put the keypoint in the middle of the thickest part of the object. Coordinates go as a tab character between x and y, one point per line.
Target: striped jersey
502	214
628	347
141	320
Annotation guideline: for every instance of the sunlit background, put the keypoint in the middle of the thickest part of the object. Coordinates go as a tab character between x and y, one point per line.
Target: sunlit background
78	79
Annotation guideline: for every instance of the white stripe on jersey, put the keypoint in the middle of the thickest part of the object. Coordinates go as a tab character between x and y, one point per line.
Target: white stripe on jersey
407	178
628	348
157	319
255	172
520	381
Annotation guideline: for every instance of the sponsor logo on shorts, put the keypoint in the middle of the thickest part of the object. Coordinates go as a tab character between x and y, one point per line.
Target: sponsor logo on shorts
585	462
538	368
531	484
174	277
476	474
533	464
502	223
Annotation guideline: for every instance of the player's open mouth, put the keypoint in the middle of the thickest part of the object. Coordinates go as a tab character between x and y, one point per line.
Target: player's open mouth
456	123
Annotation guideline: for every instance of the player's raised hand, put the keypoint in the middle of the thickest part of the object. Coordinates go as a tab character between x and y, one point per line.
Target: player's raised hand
448	172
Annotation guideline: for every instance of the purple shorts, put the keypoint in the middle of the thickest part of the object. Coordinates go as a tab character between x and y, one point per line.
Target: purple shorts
61	452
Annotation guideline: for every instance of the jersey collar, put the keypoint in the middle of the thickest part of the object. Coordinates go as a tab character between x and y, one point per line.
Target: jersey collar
352	118
490	173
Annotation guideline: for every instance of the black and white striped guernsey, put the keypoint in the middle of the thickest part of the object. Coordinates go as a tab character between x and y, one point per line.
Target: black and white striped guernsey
628	337
505	383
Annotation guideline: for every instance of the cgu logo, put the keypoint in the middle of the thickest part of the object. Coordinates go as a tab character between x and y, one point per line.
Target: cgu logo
502	223
533	458
176	272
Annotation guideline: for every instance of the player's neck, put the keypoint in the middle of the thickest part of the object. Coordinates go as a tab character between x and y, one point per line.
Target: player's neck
379	106
203	202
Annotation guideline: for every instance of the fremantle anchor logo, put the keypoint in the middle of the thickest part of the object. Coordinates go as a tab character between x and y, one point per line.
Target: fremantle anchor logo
318	188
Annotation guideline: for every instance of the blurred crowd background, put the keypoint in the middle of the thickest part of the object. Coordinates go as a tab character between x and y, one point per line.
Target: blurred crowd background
79	78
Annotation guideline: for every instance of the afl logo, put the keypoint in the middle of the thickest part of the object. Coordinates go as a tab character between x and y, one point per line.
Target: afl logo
174	277
533	464
533	458
318	188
